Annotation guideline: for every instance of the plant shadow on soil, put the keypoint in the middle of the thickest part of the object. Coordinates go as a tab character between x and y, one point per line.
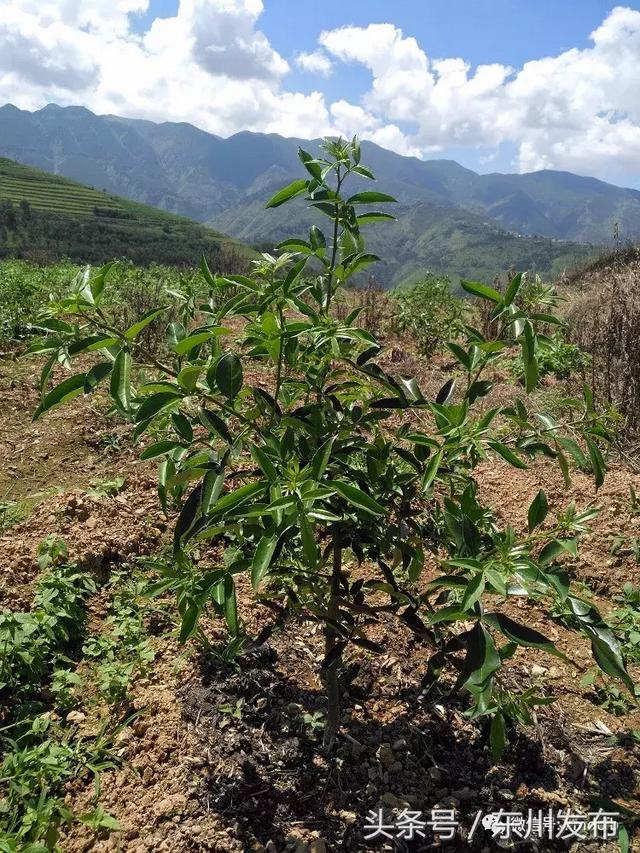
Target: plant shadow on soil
262	767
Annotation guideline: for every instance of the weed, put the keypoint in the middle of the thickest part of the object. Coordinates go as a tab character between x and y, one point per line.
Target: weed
107	488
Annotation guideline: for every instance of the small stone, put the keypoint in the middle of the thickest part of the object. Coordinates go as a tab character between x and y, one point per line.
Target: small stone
168	806
537	670
349	817
399	745
385	755
393	802
435	774
91	522
75	717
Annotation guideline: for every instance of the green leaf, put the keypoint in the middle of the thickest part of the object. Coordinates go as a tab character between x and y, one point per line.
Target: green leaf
624	842
529	347
295	245
497	737
537	510
321	459
309	546
374	216
233	499
370	197
472	593
159	448
475	288
446	392
146	319
182	426
507	454
183	346
189	622
311	165
359	262
188	377
229	375
482	659
262	558
230	604
62	393
264	462
318	240
96	374
608	656
480	388
214	423
187	518
358	498
512	291
554	549
521	634
431	470
98	281
294	189
90	344
121	381
597	462
153	405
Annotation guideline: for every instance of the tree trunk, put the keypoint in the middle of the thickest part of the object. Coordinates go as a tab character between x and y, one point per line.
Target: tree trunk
331	672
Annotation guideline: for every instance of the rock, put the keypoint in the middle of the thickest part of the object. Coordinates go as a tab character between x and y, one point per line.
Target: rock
537	670
91	522
399	744
292	709
385	755
393	802
349	817
171	805
435	774
75	717
318	845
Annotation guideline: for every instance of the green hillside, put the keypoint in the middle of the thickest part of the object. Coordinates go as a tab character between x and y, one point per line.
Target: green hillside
47	217
426	237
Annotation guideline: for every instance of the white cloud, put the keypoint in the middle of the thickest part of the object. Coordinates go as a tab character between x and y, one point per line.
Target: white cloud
579	110
212	65
316	63
209	64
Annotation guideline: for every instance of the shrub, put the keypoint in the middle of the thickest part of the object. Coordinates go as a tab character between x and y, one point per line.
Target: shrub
428	311
290	447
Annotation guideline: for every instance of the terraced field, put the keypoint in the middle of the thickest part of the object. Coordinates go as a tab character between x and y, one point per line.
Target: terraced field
48	192
67	220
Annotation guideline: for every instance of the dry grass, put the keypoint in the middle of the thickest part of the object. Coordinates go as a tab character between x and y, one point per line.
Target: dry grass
604	319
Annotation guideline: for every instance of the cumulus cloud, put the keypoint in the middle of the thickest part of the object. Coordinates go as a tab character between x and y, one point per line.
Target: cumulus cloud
579	110
211	64
316	63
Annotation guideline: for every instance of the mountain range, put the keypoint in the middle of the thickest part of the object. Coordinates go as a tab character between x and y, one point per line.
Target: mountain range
450	219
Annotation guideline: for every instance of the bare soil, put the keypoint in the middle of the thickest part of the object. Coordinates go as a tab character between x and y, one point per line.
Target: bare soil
225	757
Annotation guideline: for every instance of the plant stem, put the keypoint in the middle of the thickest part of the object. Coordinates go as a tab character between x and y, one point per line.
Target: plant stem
276	392
334	248
331	672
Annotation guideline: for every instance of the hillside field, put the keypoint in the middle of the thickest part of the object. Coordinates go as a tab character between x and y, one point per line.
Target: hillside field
47	217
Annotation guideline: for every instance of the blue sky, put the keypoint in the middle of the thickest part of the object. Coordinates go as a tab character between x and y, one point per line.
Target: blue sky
499	85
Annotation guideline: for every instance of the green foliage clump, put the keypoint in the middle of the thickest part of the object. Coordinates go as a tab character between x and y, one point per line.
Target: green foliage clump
327	457
558	357
24	288
428	311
